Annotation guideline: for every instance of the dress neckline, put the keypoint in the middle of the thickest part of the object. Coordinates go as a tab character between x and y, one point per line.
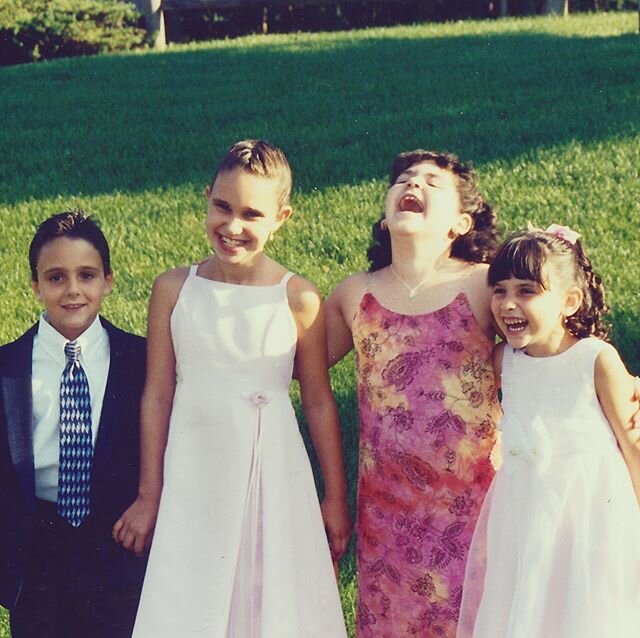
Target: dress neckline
461	296
521	353
283	281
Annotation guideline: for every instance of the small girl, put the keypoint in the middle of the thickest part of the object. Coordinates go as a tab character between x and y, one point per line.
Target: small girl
556	552
422	330
240	549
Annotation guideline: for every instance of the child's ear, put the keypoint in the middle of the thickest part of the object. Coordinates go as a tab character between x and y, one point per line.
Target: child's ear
108	283
463	224
36	290
284	214
207	191
573	301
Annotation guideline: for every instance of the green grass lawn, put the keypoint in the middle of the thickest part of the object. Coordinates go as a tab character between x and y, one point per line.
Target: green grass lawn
548	110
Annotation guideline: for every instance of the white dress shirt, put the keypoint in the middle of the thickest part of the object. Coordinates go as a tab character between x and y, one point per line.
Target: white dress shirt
48	362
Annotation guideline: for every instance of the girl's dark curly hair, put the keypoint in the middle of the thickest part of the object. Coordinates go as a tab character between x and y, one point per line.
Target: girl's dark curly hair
524	256
476	246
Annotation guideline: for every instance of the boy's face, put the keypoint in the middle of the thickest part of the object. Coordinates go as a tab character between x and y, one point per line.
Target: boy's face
71	284
243	209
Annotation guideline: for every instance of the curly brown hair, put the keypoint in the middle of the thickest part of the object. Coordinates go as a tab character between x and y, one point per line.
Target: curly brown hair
476	246
525	254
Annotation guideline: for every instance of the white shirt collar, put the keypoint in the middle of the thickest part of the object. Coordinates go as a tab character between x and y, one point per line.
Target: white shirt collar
53	342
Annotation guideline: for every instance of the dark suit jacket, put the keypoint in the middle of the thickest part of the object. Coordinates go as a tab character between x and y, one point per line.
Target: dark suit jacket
114	480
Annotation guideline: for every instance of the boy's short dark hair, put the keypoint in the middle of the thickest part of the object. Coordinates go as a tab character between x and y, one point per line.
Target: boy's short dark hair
259	157
74	224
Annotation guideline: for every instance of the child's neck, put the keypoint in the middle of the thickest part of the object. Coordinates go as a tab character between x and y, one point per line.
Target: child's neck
558	343
415	261
257	273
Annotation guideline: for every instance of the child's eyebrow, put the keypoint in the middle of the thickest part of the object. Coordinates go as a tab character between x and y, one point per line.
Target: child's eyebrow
62	269
53	269
427	175
530	283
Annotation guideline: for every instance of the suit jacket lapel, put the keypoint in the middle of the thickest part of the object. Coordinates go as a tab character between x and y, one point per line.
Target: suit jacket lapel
110	409
15	384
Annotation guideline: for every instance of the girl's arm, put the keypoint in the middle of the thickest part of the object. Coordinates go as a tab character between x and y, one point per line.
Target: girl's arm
135	527
479	295
498	353
320	409
340	308
615	390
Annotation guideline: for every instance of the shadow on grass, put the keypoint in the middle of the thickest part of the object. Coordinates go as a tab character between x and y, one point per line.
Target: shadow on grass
151	121
626	337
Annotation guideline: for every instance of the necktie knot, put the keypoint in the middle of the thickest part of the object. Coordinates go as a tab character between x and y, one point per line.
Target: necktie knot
72	350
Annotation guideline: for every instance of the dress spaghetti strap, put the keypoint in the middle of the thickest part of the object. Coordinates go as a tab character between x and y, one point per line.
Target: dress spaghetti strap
285	278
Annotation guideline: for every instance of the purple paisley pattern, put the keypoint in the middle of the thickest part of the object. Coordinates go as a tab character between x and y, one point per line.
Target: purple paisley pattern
428	411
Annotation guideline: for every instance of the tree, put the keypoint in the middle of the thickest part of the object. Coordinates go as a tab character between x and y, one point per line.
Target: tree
154	19
555	7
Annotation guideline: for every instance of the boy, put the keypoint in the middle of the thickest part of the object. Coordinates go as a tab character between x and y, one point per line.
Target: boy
70	392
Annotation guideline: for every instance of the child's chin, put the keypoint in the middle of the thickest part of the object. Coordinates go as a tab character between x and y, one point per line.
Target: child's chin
515	342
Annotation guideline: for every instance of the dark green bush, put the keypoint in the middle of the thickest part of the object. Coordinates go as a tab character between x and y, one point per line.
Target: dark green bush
42	29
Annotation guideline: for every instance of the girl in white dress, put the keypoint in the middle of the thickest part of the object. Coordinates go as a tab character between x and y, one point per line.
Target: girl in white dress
239	549
556	552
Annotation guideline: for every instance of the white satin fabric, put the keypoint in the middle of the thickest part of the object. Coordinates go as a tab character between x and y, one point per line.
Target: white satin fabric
556	551
240	549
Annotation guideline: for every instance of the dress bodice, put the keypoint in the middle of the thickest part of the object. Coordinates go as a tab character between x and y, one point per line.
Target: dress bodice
550	406
244	332
435	367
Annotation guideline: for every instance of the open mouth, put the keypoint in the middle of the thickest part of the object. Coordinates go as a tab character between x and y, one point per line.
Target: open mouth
515	325
231	243
410	203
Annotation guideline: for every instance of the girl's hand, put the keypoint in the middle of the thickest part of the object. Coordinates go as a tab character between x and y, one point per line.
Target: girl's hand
134	529
337	522
636	388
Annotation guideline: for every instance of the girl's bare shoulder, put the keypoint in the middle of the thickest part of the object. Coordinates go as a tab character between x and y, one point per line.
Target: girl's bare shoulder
168	284
347	295
171	279
352	286
301	292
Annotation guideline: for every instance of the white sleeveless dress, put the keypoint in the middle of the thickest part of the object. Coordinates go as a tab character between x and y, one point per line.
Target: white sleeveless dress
556	551
240	549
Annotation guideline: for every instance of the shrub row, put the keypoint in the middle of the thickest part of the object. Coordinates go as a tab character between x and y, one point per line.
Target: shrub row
32	30
232	21
42	29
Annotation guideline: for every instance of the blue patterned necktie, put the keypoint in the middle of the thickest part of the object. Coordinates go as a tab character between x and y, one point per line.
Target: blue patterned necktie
76	449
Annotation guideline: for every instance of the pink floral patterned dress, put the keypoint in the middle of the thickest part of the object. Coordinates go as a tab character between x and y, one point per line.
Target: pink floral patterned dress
428	411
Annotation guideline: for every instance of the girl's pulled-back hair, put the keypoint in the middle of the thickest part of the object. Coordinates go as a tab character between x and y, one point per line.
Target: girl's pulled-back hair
476	246
259	157
526	254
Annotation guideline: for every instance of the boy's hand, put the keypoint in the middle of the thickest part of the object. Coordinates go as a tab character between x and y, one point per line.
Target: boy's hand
134	529
337	522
